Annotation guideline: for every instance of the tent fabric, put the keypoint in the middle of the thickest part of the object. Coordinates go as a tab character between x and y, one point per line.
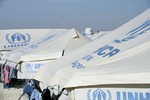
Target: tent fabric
56	43
111	93
16	38
12	39
131	69
66	43
47	38
49	46
132	34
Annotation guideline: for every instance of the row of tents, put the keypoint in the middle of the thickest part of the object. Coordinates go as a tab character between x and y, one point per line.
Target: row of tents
115	66
53	44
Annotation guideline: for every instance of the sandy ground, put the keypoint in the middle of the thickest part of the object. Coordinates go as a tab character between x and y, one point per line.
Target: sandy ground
11	93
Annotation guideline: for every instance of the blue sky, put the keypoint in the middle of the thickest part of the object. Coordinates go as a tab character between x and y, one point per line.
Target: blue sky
103	15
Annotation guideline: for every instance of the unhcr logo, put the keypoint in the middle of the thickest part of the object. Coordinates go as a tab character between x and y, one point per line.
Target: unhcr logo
99	94
118	94
29	66
135	32
32	67
18	38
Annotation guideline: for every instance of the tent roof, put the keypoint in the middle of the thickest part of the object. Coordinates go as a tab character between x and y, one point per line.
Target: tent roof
50	46
65	44
12	39
125	38
6	37
131	68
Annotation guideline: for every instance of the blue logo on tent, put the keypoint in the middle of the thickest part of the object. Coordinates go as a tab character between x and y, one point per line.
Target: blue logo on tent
135	32
18	38
37	66
29	66
99	94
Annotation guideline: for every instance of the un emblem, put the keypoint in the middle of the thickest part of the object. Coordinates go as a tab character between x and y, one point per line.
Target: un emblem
18	38
98	94
29	66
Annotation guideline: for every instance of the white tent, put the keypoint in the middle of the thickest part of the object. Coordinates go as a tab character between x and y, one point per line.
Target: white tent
56	43
66	42
131	68
11	39
127	77
119	44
